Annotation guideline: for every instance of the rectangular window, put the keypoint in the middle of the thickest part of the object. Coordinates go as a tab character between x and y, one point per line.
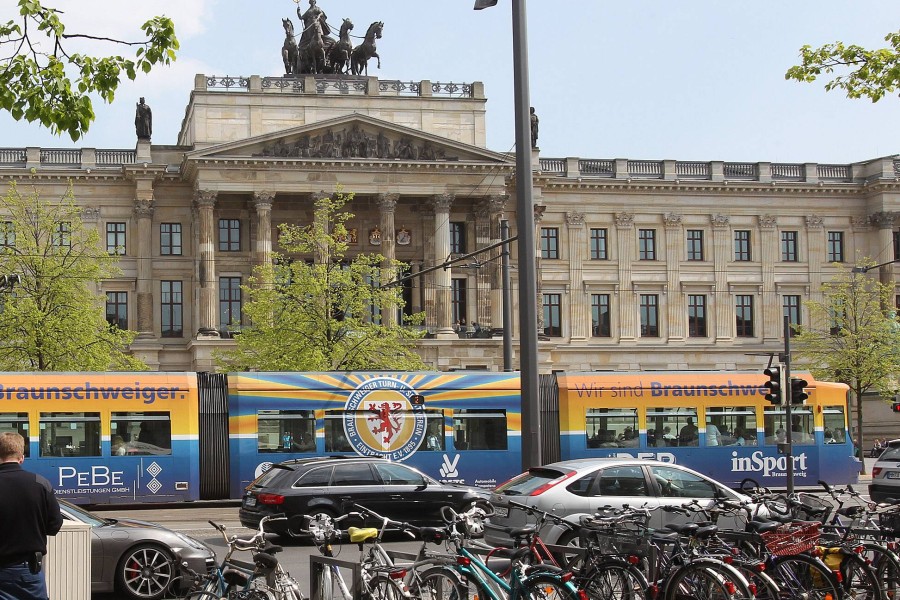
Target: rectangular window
553	315
742	245
229	235
775	425
730	426
789	246
170	239
695	244
696	315
835	251
140	433
62	236
7	236
457	237
335	440
896	245
549	242
599	240
18	423
649	315
115	239
171	305
836	424
70	434
612	428
673	426
601	324
792	311
743	310
229	302
479	429
458	292
286	431
647	244
117	309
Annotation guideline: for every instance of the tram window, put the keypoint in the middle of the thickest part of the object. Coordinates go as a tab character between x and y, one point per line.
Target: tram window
18	423
775	423
736	425
70	434
434	431
835	425
335	439
612	428
672	426
479	429
286	431
140	433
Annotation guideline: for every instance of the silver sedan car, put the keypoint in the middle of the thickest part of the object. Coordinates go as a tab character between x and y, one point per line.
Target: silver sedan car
576	488
137	559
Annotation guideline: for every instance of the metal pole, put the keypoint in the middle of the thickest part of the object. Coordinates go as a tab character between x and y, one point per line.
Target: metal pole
788	398
507	296
528	356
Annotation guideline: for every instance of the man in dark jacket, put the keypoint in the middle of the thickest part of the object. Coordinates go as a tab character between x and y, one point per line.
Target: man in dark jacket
29	513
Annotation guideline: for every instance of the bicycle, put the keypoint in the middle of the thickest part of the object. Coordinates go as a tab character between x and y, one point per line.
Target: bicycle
233	579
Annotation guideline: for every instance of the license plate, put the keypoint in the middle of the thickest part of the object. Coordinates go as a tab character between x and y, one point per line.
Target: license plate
501	511
250	501
893	475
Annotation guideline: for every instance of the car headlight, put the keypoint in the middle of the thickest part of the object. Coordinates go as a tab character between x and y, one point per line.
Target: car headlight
188	541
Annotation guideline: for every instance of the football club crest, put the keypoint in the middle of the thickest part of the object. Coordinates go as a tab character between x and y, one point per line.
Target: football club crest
381	419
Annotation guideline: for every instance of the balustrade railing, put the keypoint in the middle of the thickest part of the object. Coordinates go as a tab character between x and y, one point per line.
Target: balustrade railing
787	172
741	171
227	82
401	88
61	156
341	85
644	168
692	170
115	157
603	168
12	156
553	165
291	85
833	172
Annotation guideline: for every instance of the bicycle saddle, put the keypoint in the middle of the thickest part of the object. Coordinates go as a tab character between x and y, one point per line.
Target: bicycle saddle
433	535
359	535
762	526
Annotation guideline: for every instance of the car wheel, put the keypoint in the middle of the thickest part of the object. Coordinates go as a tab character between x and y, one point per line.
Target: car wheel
145	572
569	539
318	515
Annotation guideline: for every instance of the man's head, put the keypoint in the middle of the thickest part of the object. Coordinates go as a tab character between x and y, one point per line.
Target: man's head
12	447
142	100
690	420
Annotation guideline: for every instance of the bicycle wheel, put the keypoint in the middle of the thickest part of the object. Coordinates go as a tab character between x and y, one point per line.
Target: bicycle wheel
438	583
548	587
613	582
696	582
382	587
802	576
326	585
887	569
860	581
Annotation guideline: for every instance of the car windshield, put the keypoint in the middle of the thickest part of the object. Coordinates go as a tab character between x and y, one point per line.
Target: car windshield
524	484
890	454
79	514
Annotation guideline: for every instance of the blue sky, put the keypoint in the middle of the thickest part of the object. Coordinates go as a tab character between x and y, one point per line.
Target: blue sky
641	79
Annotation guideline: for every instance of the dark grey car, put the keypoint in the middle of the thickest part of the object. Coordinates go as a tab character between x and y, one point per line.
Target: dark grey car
137	559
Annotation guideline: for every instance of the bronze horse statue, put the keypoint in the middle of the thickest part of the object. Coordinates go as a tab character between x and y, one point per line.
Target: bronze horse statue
312	51
359	58
289	48
339	53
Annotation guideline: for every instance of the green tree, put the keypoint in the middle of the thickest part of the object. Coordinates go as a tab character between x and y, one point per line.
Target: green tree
316	309
864	73
53	319
853	337
35	81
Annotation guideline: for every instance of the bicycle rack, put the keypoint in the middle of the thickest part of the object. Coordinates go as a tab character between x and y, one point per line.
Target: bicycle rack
318	562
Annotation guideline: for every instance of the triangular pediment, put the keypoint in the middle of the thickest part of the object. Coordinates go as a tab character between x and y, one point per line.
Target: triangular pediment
351	137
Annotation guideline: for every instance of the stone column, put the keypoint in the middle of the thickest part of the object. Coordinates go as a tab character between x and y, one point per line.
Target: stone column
884	221
263	202
322	253
539	211
578	304
387	204
208	317
815	239
442	278
722	298
628	306
676	308
493	206
770	254
143	211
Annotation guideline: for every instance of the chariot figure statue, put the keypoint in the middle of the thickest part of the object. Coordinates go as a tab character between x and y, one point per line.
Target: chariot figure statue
312	14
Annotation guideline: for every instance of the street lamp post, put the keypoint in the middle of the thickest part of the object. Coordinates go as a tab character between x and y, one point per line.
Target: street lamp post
528	355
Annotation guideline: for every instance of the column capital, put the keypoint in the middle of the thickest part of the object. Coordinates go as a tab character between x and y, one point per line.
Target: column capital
672	220
90	214
883	220
320	195
263	199
387	203
143	208
720	221
539	210
768	221
492	205
814	222
442	202
624	220
205	198
574	219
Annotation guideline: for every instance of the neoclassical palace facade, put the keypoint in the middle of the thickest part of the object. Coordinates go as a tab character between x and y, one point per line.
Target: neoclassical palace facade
642	264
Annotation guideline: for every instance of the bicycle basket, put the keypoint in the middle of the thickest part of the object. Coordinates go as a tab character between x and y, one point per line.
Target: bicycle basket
615	539
813	508
890	521
792	538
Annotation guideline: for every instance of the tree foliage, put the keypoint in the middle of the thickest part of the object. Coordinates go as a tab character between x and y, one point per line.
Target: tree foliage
41	81
53	319
864	73
316	309
853	337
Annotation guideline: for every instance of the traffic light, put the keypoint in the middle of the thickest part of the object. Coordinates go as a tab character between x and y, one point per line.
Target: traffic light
776	393
895	407
798	396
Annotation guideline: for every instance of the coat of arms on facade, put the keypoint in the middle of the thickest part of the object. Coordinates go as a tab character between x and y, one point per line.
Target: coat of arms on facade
375	237
404	237
350	237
